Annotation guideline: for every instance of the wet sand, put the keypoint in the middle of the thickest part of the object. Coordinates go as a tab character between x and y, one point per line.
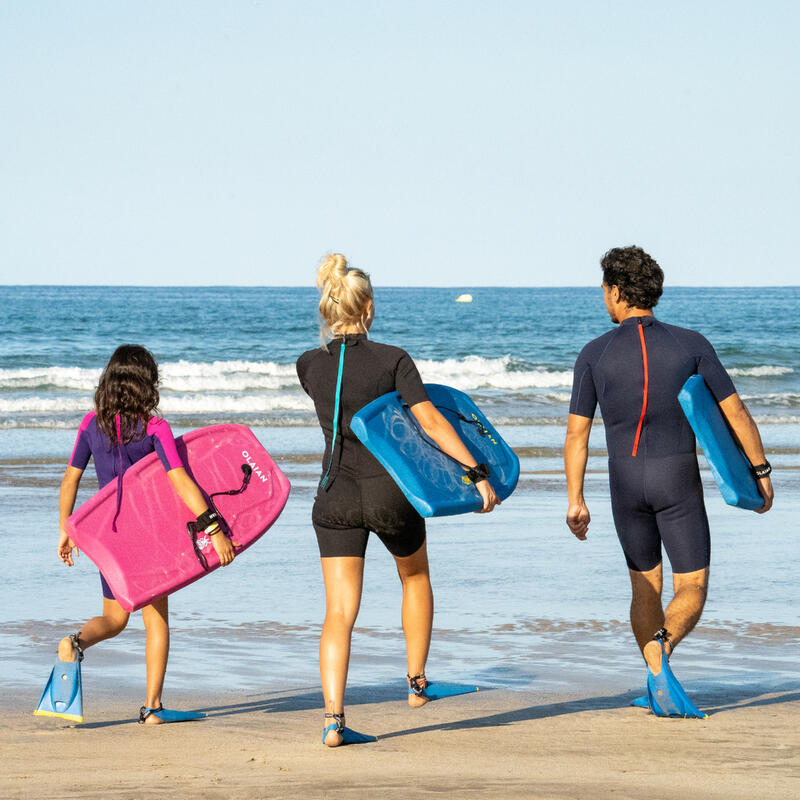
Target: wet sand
489	744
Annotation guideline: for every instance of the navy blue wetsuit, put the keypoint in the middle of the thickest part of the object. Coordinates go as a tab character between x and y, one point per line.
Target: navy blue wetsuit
635	373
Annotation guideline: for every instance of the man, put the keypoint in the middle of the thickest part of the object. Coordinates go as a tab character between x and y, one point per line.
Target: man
635	373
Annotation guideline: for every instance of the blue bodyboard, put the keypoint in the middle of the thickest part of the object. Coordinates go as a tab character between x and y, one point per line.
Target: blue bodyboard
728	463
433	484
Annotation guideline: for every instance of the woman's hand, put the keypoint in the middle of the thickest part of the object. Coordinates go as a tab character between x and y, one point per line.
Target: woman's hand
224	547
490	499
65	548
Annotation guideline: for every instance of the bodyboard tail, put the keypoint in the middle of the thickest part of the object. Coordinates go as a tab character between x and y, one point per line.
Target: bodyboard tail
729	465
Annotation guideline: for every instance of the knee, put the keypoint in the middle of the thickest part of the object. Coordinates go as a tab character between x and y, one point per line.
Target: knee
117	624
341	616
415	577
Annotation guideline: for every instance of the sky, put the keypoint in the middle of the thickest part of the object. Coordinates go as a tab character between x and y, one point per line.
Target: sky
434	143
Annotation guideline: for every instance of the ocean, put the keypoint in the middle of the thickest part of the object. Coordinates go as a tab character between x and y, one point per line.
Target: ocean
516	595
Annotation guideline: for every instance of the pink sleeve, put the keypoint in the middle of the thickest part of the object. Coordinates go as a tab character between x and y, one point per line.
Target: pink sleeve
164	443
82	452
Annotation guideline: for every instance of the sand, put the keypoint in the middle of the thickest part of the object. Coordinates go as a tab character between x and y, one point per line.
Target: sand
495	743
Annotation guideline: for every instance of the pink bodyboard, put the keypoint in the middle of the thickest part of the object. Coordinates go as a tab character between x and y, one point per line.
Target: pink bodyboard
151	553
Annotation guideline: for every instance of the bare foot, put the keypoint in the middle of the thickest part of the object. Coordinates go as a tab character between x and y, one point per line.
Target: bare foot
416	700
652	655
333	738
66	649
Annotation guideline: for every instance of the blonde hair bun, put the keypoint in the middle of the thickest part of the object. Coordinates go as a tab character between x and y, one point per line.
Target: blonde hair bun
332	269
345	293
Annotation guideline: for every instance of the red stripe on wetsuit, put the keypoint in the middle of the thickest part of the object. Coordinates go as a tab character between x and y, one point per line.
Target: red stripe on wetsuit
644	391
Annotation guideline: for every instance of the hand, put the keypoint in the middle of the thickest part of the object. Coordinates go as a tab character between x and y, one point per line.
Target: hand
224	547
767	492
578	519
65	548
490	499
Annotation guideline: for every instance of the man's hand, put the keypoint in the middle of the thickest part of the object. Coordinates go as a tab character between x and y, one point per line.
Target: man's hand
578	519
767	492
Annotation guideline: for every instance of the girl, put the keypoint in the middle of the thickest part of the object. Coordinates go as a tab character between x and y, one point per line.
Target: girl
356	494
121	430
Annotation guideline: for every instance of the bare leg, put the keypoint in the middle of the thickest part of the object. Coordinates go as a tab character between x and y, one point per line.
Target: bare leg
343	578
682	614
112	622
647	614
156	625
417	612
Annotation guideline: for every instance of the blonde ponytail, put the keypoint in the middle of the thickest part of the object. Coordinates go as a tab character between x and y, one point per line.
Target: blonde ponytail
345	294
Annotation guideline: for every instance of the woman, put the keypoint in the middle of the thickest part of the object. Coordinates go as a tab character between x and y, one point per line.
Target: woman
356	495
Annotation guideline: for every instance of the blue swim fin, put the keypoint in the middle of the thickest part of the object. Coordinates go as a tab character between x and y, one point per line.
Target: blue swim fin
437	690
641	702
666	697
349	736
168	715
63	693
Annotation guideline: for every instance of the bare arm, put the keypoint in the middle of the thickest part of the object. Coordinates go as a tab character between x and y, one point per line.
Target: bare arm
576	454
746	431
444	434
66	502
191	495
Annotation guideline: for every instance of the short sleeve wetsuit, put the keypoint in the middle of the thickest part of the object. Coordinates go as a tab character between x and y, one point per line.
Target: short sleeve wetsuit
635	373
109	460
359	495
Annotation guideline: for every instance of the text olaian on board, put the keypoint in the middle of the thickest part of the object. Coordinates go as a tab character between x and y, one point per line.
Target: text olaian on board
256	470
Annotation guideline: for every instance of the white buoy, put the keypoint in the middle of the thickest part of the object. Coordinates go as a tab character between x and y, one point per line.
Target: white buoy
464	298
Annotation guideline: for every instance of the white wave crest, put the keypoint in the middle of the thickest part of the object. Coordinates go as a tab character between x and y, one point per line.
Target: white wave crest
474	372
467	374
173	404
75	378
759	372
176	376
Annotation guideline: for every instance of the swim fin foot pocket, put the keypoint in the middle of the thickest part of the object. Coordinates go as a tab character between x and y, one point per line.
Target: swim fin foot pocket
665	695
437	690
63	693
349	736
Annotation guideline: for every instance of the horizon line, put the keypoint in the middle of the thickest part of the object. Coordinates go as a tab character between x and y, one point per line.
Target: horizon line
380	286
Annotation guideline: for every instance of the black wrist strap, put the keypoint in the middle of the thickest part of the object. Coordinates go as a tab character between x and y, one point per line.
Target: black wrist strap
206	518
478	473
761	470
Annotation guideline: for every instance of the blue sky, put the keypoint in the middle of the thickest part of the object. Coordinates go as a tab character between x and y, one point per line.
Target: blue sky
434	143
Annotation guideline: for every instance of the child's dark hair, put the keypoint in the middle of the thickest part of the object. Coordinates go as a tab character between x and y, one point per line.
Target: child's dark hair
635	273
128	387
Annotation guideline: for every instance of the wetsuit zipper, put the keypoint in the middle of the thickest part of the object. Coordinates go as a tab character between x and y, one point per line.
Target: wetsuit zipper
644	390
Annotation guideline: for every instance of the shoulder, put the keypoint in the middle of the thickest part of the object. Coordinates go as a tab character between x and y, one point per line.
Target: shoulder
387	352
591	351
693	341
87	420
158	426
308	357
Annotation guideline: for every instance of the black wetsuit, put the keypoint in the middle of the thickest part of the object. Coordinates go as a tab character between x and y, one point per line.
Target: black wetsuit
359	495
635	373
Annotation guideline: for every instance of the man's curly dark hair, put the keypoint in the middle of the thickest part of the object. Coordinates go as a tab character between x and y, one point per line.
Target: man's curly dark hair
635	273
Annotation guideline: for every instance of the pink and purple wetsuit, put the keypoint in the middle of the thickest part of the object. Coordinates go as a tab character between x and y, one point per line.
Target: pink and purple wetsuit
111	461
